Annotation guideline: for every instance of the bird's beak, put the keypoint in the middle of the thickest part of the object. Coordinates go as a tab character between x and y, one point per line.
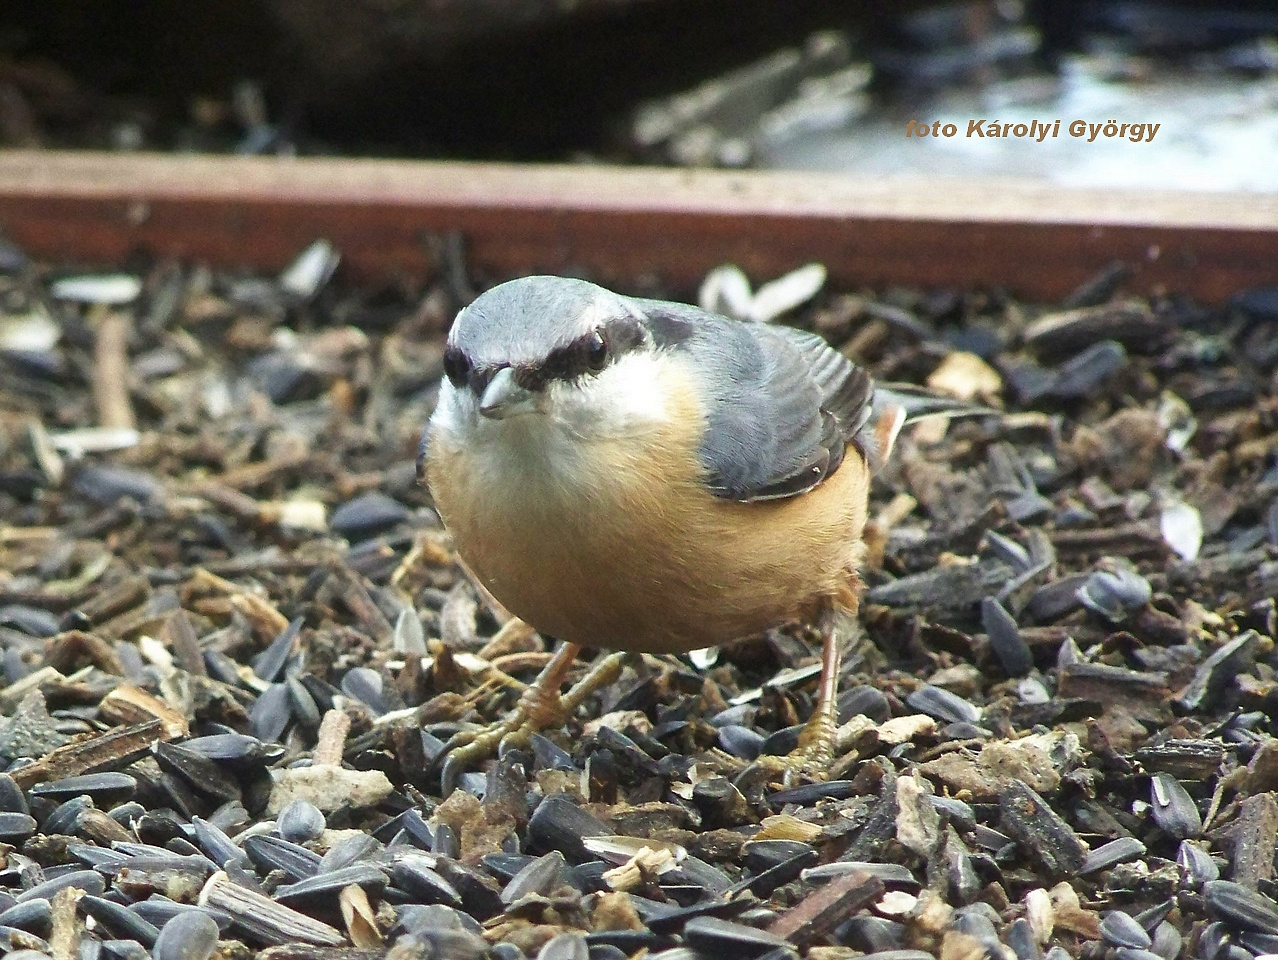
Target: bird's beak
503	397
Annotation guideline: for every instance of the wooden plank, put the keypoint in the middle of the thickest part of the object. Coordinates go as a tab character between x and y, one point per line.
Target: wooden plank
620	224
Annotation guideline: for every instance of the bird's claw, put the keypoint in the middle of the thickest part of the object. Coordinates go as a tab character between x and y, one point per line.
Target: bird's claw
540	708
467	747
809	761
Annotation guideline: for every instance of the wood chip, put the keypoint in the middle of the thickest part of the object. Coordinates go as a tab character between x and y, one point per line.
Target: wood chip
819	913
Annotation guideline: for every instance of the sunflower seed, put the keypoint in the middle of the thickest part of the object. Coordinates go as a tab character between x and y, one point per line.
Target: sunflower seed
122	950
106	485
1167	941
160	911
216	845
1005	638
16	827
264	920
190	935
268	664
87	880
106	789
30	620
235	748
33	916
1020	937
63	819
960	813
326	887
1120	930
272	713
450	944
782	295
1258	943
1242	907
723	937
1198	864
740	741
1182	529
726	290
1079	375
539	876
943	705
559	824
305	710
415	918
415	875
1109	854
411	824
196	771
11	797
409	637
119	920
300	821
274	853
365	685
313	268
565	946
864	701
349	850
114	289
975	924
367	516
94	856
1214	673
1115	595
1173	808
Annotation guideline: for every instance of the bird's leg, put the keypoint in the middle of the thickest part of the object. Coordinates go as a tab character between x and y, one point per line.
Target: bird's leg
817	741
540	707
812	757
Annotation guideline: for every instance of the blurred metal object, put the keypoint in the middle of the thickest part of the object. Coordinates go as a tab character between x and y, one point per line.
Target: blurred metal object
728	120
959	43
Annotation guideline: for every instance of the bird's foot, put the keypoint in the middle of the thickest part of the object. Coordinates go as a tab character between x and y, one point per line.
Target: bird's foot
810	760
541	707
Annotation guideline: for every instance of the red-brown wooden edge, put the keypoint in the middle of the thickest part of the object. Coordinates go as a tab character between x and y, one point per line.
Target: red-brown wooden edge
620	224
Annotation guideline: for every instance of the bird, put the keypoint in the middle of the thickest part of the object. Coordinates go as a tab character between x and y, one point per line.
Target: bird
646	476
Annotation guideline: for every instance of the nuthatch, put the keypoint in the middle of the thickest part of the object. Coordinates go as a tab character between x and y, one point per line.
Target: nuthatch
645	476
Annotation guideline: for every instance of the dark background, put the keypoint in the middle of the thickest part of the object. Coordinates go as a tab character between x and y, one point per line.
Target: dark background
501	79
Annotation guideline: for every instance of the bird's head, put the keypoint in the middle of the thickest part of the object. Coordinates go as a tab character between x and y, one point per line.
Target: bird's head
549	347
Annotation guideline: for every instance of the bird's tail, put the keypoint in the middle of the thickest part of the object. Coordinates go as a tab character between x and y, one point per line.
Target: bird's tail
899	404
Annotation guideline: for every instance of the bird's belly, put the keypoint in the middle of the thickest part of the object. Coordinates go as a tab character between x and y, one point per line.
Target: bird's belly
642	556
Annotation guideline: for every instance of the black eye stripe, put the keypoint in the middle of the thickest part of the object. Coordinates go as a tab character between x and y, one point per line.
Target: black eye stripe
583	355
591	353
568	362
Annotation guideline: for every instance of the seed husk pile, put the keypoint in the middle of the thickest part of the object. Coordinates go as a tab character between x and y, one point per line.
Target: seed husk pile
235	639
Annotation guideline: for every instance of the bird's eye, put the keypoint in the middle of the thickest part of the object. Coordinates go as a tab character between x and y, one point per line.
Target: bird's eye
597	351
456	366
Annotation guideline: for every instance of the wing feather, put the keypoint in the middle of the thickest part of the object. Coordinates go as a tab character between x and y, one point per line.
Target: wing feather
782	403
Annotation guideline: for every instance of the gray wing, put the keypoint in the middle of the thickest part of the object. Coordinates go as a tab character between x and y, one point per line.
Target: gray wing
783	404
